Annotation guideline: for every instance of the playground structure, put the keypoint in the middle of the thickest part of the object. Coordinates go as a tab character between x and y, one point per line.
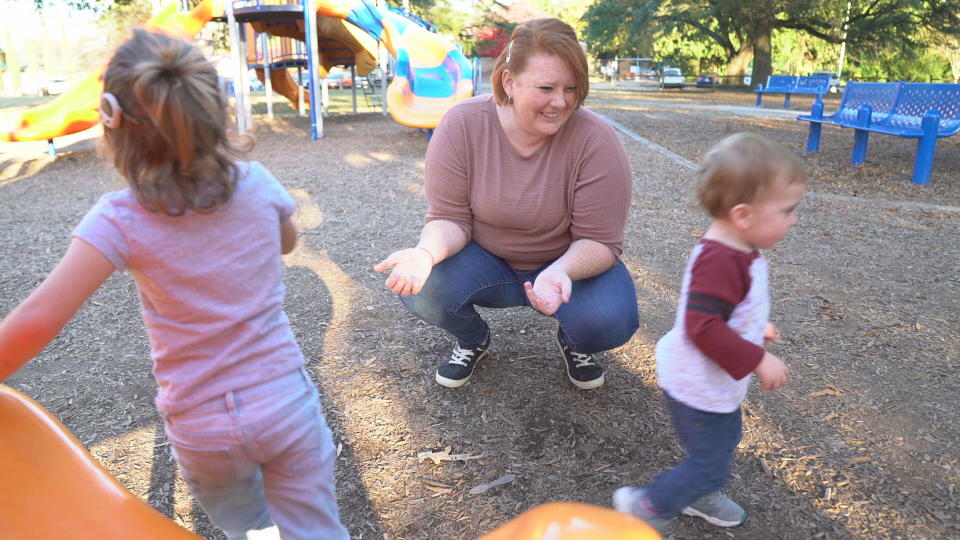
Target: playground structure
431	73
51	487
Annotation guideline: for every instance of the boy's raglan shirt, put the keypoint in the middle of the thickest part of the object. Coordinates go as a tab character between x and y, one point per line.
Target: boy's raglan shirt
706	359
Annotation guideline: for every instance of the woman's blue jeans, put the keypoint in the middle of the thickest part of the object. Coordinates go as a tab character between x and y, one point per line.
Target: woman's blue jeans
710	441
602	312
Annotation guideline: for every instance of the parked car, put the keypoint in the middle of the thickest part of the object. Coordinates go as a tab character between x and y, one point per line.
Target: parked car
339	79
834	81
52	87
671	78
648	74
708	79
335	79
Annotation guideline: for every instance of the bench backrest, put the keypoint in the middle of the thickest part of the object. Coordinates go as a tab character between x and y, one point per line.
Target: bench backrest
881	96
780	83
916	99
813	83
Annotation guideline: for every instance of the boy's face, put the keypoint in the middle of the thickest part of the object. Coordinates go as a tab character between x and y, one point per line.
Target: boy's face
772	217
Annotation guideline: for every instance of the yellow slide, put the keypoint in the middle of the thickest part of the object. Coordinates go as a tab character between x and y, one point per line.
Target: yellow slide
77	109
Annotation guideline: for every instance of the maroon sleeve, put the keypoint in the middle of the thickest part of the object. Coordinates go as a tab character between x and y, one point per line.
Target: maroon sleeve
719	280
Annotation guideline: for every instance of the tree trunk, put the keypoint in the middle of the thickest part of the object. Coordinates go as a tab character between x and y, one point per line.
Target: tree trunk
762	51
737	65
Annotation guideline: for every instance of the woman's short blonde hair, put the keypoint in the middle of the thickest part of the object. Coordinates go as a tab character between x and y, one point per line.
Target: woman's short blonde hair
541	36
172	145
740	168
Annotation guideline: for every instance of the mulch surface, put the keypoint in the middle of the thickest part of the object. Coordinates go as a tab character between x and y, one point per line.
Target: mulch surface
863	442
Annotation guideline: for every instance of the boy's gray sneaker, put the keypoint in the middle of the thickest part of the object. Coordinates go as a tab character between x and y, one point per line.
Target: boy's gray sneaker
717	509
634	501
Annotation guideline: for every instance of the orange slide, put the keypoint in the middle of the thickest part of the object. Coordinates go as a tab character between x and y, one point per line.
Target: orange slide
282	82
77	109
51	487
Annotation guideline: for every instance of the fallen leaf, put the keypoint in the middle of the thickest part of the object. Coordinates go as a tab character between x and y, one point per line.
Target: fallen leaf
445	455
505	479
827	392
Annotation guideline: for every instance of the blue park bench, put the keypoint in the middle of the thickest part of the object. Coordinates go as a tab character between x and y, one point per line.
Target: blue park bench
922	111
791	84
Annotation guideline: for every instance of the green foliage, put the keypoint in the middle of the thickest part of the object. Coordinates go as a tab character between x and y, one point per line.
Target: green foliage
791	36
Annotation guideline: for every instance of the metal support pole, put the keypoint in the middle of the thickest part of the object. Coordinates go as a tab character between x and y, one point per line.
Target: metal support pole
843	44
301	110
267	81
313	54
353	86
384	66
239	69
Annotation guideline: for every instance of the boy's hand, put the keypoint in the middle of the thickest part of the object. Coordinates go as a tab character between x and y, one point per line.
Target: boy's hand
771	334
772	372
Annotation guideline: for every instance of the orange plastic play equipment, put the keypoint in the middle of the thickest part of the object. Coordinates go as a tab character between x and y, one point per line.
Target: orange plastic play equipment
51	487
282	83
572	521
76	109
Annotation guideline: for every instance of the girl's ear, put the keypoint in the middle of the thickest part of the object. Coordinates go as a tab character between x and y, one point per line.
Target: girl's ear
741	215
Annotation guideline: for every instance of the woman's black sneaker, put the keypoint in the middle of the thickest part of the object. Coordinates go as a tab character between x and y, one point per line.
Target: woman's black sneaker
582	370
458	369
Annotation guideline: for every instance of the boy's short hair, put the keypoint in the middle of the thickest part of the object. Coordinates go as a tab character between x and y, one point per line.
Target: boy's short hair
739	168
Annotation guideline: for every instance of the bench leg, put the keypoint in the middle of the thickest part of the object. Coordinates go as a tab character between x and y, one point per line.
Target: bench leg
786	102
860	140
926	148
813	137
759	99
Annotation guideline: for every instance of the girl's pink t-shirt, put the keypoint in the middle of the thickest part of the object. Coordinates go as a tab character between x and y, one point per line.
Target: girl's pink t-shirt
211	287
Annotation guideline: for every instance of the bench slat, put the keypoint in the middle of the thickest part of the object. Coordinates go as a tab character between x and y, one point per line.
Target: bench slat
924	111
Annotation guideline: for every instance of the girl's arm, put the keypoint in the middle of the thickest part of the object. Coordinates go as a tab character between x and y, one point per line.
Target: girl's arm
39	318
288	236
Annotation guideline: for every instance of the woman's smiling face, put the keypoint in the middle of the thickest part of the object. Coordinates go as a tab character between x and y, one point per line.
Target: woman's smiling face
544	95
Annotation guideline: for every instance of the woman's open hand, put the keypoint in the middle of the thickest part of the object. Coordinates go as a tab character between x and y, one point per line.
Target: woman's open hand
549	291
409	269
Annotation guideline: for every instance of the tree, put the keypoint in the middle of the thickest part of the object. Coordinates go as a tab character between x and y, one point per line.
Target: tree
744	29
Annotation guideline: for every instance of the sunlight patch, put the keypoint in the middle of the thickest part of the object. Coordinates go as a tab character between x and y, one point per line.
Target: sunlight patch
382	156
357	160
309	215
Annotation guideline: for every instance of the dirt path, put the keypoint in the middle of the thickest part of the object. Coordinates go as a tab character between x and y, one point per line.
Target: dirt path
862	443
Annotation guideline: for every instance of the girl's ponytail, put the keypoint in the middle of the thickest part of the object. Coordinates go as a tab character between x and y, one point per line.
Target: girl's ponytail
175	154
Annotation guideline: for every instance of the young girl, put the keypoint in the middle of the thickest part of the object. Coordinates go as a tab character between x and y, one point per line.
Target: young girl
202	236
752	187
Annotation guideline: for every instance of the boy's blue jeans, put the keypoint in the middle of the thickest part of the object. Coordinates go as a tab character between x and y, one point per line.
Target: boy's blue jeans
261	455
602	312
710	441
